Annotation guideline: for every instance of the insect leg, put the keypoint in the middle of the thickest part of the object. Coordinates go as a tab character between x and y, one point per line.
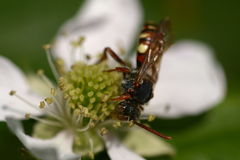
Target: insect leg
122	97
119	69
154	74
113	55
153	131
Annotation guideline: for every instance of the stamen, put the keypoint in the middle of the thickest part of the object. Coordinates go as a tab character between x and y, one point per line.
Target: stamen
92	124
103	131
53	91
11	93
91	154
41	74
42	105
27	115
90	141
14	93
130	123
117	124
49	100
54	115
86	127
76	44
50	113
76	116
48	122
47	49
60	66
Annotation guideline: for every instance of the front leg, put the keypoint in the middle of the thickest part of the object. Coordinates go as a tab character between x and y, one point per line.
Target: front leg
113	55
122	97
119	69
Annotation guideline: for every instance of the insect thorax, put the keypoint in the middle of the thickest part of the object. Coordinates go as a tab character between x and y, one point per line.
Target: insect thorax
142	93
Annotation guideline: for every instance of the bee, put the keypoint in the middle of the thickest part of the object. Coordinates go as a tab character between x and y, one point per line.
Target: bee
138	82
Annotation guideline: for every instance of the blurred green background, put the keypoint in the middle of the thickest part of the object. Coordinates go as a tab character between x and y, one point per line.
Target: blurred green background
28	24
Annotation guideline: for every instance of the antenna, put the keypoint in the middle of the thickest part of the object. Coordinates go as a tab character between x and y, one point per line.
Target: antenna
153	131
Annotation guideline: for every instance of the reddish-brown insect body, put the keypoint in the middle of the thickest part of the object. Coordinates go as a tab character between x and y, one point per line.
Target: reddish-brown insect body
146	37
138	83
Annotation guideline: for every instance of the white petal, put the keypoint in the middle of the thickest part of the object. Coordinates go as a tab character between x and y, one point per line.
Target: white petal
191	81
11	76
57	148
117	151
38	85
13	79
104	23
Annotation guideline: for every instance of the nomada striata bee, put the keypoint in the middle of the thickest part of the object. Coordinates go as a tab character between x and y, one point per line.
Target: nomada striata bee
138	83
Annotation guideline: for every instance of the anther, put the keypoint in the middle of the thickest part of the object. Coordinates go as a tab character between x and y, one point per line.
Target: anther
49	100
77	112
131	123
78	42
151	118
81	98
91	124
60	66
46	46
40	72
117	124
11	93
14	93
90	94
103	131
53	91
42	105
27	116
92	100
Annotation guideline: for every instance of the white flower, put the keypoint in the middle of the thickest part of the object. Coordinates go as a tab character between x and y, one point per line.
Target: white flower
191	81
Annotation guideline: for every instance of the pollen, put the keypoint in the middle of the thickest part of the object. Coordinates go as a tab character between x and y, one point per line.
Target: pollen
90	89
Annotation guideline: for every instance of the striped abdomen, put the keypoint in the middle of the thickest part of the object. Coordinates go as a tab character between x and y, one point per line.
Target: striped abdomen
145	38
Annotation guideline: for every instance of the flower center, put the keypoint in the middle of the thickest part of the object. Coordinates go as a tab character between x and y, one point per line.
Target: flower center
80	102
89	90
